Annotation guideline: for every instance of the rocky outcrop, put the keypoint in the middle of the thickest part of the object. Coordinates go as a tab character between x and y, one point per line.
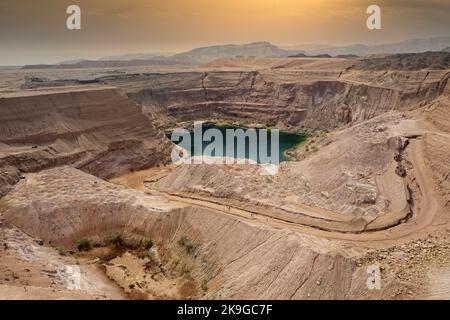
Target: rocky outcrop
408	61
9	176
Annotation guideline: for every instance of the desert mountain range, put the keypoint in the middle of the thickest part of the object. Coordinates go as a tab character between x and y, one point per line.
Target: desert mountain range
256	49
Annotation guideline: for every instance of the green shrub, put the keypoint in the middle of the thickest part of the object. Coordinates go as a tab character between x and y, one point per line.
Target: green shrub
187	243
62	251
117	240
183	240
147	244
84	245
205	285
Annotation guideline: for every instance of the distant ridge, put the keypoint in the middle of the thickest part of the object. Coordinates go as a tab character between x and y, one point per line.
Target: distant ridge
260	49
408	46
302	55
136	56
112	64
408	61
254	49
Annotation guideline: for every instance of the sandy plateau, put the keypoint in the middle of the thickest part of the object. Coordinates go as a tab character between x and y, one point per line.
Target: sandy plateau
91	206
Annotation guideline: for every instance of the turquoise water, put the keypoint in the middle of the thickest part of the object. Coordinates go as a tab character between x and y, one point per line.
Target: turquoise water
287	141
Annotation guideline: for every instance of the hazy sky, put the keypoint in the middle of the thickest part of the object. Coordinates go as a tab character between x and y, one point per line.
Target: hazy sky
34	31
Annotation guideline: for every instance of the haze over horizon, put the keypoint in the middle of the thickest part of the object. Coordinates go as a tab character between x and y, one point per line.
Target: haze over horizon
35	32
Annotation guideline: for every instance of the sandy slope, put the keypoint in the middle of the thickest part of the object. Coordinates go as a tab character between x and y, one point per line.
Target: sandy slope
32	271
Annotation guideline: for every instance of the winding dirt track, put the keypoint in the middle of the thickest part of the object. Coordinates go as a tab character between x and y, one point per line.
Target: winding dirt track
425	212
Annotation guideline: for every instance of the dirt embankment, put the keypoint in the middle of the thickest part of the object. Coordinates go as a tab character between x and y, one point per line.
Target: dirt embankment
271	264
30	270
98	131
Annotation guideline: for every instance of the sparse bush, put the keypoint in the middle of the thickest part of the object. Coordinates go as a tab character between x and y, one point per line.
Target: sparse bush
117	240
97	244
187	243
205	285
271	124
84	245
62	251
183	240
147	244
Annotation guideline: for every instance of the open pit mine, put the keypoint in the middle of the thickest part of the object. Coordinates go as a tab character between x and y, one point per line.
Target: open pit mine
92	206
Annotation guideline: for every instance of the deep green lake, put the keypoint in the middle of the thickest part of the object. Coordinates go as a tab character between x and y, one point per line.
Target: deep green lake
287	140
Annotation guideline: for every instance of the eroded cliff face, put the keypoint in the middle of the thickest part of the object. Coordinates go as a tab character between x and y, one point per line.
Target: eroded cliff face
293	98
9	176
99	131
